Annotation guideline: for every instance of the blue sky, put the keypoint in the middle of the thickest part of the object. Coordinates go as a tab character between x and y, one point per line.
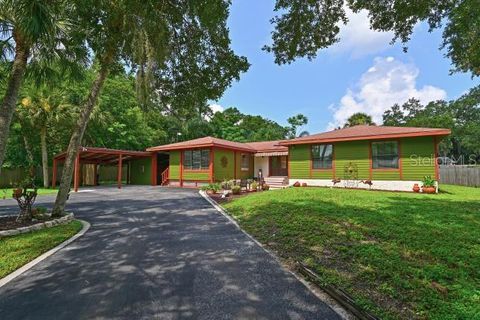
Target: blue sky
361	73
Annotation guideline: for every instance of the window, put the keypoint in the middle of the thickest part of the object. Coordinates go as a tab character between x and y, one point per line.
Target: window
385	155
322	156
196	159
245	163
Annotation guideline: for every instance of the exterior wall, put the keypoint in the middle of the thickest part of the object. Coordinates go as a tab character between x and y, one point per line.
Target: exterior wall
220	171
416	161
418	158
244	174
140	171
174	169
352	152
261	163
299	161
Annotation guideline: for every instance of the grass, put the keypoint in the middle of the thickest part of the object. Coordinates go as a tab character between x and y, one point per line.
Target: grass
7	192
16	251
400	255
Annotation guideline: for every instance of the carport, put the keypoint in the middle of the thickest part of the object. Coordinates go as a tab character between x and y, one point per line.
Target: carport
100	156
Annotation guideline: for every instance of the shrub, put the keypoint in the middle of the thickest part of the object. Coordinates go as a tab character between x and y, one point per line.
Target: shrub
214	187
236	189
227	184
254	186
266	187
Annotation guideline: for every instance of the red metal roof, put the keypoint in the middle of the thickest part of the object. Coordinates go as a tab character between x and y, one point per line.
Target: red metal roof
204	143
365	132
267	146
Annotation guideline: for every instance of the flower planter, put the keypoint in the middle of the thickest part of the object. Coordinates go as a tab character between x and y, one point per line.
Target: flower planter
429	190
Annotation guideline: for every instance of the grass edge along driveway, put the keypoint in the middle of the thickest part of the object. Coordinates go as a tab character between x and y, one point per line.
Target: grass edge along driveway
18	250
400	255
7	192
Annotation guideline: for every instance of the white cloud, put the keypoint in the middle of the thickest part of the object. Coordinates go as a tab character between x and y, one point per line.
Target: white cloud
358	39
216	108
387	82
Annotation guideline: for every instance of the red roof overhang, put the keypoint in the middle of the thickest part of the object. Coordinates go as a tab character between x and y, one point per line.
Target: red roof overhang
197	146
439	132
104	155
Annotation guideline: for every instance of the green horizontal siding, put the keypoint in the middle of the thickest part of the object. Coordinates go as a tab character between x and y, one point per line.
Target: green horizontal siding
352	154
385	174
196	176
140	171
174	170
322	174
241	174
299	161
223	170
418	157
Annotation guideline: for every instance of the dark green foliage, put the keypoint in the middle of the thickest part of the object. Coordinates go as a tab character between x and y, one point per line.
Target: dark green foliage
303	27
359	118
462	116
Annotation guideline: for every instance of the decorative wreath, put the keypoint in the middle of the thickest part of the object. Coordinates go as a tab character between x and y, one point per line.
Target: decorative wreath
224	162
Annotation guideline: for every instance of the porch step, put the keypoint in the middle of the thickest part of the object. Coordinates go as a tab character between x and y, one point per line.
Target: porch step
277	182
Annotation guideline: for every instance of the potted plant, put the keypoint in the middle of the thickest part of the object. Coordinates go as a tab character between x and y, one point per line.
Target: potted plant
236	189
304	184
428	185
416	188
297	184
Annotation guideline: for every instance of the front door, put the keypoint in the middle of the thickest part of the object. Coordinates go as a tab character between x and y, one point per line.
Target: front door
278	166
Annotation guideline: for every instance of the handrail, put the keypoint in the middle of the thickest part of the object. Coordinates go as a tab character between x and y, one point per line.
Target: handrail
165	176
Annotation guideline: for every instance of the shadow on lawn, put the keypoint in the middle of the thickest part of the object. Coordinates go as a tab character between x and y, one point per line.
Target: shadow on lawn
155	254
408	254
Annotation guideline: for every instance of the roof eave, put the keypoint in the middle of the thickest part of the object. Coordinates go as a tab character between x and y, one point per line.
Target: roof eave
204	145
444	132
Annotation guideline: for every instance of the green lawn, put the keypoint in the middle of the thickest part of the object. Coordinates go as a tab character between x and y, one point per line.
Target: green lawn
400	255
8	192
15	251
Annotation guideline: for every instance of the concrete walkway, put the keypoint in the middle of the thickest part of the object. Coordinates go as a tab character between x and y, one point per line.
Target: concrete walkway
156	253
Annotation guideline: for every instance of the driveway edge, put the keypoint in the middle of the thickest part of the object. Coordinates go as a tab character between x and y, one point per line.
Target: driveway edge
322	296
45	255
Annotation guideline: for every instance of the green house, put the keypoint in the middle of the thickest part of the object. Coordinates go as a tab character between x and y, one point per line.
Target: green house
377	157
373	157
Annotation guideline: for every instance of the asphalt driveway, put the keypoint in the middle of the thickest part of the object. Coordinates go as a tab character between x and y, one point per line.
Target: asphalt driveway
156	253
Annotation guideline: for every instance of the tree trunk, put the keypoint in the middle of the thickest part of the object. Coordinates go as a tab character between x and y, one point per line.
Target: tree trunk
75	140
31	166
43	144
7	108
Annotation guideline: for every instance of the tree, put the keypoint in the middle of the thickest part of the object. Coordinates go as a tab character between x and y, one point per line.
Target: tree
188	41
359	118
233	125
303	27
34	32
295	122
42	108
462	116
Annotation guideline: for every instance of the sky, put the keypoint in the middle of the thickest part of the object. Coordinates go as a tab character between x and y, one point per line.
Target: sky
361	73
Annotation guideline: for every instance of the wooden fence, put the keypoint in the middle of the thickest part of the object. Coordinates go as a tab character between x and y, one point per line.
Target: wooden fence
460	175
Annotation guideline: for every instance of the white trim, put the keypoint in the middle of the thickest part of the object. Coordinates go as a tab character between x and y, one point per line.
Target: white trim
44	256
387	185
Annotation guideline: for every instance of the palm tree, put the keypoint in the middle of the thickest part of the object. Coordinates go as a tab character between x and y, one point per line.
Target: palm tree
42	108
359	118
31	32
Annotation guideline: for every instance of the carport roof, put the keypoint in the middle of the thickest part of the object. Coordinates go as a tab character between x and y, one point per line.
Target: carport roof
104	155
